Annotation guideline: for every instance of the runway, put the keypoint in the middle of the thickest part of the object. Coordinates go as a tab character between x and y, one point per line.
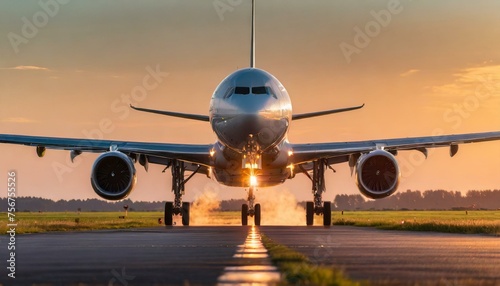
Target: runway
400	257
201	255
161	256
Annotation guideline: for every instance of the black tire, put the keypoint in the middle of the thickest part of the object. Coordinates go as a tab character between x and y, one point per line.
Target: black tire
185	213
244	214
257	214
169	212
309	213
327	213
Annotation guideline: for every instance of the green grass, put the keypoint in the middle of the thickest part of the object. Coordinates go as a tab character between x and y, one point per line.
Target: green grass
72	221
484	222
297	269
472	222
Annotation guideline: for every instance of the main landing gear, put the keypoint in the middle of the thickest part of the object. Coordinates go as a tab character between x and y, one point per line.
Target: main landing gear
250	209
177	207
318	206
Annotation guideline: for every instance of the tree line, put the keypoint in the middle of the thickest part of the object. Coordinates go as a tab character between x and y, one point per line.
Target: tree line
407	200
35	204
427	200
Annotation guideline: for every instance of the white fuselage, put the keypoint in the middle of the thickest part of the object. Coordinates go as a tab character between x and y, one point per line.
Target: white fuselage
250	113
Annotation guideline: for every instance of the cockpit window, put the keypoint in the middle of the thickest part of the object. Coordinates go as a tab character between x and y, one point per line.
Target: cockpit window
264	90
242	90
229	92
256	90
259	90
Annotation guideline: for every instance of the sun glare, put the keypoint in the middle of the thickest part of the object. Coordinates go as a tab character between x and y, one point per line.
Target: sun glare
253	180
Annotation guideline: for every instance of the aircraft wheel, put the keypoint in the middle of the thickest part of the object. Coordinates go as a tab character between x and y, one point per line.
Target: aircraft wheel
257	214
244	214
169	212
185	213
327	213
309	213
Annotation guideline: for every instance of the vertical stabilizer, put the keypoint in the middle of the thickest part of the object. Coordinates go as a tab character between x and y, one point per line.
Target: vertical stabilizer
252	48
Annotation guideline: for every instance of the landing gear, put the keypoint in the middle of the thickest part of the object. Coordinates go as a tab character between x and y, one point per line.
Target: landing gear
185	213
177	207
327	213
244	214
309	213
318	206
169	212
257	214
250	209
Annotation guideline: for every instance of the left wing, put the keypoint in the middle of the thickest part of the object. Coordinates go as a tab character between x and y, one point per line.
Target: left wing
174	114
156	152
337	152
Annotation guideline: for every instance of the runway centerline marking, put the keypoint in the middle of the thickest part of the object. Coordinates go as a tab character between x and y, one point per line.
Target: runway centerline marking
257	268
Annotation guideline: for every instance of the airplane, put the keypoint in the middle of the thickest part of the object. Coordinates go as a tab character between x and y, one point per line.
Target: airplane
250	114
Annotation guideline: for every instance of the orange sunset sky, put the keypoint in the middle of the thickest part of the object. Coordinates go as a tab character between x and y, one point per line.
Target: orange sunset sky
421	68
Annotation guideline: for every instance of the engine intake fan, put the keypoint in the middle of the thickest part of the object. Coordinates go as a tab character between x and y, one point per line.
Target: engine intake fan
113	176
377	174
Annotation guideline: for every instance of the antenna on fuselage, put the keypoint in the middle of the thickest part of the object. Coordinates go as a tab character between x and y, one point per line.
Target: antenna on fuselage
252	48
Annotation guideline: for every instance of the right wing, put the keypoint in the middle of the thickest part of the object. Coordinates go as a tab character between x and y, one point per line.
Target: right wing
325	112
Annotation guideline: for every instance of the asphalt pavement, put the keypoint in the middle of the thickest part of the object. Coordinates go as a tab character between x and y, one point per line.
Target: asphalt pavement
397	257
214	254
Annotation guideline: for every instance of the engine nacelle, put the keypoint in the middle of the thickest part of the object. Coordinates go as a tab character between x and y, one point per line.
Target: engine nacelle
113	176
377	174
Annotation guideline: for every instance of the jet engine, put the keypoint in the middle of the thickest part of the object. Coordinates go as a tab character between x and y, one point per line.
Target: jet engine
377	174
113	176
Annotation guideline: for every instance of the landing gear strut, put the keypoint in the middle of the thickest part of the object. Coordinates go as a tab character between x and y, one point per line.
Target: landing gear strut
177	207
318	206
250	209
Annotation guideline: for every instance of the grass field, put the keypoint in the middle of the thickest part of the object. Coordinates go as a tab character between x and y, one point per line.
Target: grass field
72	221
487	222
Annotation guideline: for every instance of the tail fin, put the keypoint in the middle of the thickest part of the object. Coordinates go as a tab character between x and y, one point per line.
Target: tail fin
252	48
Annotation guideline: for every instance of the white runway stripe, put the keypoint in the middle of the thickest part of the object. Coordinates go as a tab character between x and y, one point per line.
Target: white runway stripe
257	268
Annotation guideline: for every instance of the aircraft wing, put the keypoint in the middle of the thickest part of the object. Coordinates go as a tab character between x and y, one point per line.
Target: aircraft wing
325	112
157	153
337	152
174	114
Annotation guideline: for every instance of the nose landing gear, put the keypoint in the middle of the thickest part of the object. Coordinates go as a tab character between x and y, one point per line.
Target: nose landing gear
250	210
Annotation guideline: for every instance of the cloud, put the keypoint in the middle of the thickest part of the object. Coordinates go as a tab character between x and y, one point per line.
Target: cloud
409	72
27	68
17	120
484	80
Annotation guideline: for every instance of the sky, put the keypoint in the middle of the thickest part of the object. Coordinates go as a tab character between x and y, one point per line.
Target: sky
69	68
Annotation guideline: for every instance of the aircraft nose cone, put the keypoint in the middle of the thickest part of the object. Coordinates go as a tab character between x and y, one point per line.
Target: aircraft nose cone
236	131
252	104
